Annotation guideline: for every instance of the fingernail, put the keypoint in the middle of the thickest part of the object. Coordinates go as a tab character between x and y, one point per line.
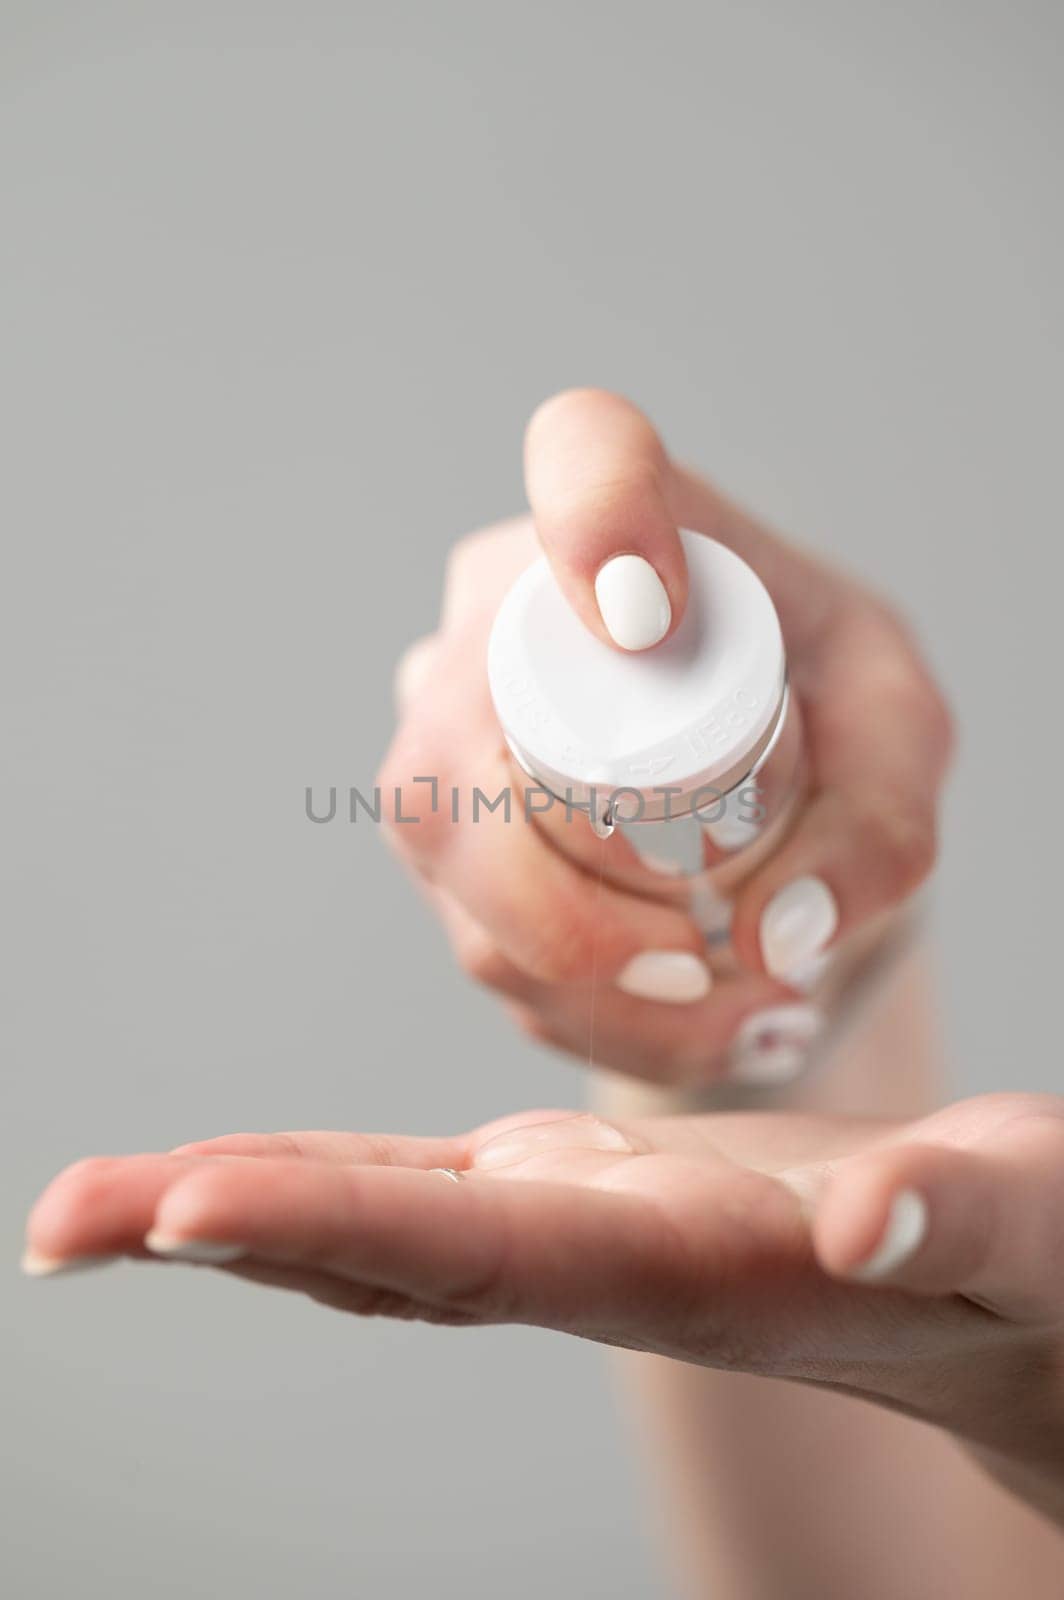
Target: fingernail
668	848
902	1237
649	857
562	1133
210	1252
772	1046
807	975
732	833
733	821
711	912
35	1265
632	602
796	925
674	976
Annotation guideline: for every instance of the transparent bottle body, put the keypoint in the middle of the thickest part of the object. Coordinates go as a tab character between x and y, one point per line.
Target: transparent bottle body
711	840
697	860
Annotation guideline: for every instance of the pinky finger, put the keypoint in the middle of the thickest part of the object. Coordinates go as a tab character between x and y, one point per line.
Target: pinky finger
341	1294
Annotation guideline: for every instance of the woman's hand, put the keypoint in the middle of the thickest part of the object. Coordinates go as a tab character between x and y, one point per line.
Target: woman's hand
527	921
916	1265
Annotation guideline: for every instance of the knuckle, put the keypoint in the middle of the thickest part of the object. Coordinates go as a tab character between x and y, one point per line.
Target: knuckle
920	699
465	557
532	1025
580	945
287	1144
907	676
413	811
567	953
458	558
560	962
680	1068
482	961
904	844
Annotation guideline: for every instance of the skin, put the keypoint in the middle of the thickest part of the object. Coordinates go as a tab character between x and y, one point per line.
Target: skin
731	1244
527	920
729	1241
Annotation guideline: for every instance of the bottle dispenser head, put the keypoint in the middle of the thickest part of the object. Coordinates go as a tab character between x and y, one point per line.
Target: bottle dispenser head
697	713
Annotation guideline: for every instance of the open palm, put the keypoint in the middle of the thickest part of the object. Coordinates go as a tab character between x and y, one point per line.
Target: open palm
906	1263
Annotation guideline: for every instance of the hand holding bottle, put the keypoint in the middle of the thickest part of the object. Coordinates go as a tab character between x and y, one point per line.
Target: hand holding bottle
532	921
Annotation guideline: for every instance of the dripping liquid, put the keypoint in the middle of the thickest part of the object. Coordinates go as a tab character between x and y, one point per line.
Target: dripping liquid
602	827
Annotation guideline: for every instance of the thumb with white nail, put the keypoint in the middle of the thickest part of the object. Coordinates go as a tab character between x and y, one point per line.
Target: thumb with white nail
522	899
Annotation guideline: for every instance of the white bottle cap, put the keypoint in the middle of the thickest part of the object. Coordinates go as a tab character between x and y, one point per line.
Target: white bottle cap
697	712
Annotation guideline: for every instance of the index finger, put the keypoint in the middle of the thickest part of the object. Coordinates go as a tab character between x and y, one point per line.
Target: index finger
596	474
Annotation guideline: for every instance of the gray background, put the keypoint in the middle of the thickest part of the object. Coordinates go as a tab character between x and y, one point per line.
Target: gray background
280	285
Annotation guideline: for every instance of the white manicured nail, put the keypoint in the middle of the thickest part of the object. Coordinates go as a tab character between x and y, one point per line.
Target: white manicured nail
731	833
808	974
772	1046
796	925
675	976
902	1237
34	1265
632	602
210	1252
710	911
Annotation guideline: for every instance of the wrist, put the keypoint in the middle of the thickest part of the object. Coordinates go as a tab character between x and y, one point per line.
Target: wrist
880	1053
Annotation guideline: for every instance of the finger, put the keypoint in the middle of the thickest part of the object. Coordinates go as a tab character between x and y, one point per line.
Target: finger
465	830
340	1294
104	1205
596	477
480	569
348	1149
804	590
741	1032
674	1037
878	744
479	956
98	1207
610	1261
981	1221
410	1233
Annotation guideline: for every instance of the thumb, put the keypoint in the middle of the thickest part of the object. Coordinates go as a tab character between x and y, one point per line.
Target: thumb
596	474
984	1220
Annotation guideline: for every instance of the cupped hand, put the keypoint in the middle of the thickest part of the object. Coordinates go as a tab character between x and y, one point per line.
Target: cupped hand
916	1264
529	921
